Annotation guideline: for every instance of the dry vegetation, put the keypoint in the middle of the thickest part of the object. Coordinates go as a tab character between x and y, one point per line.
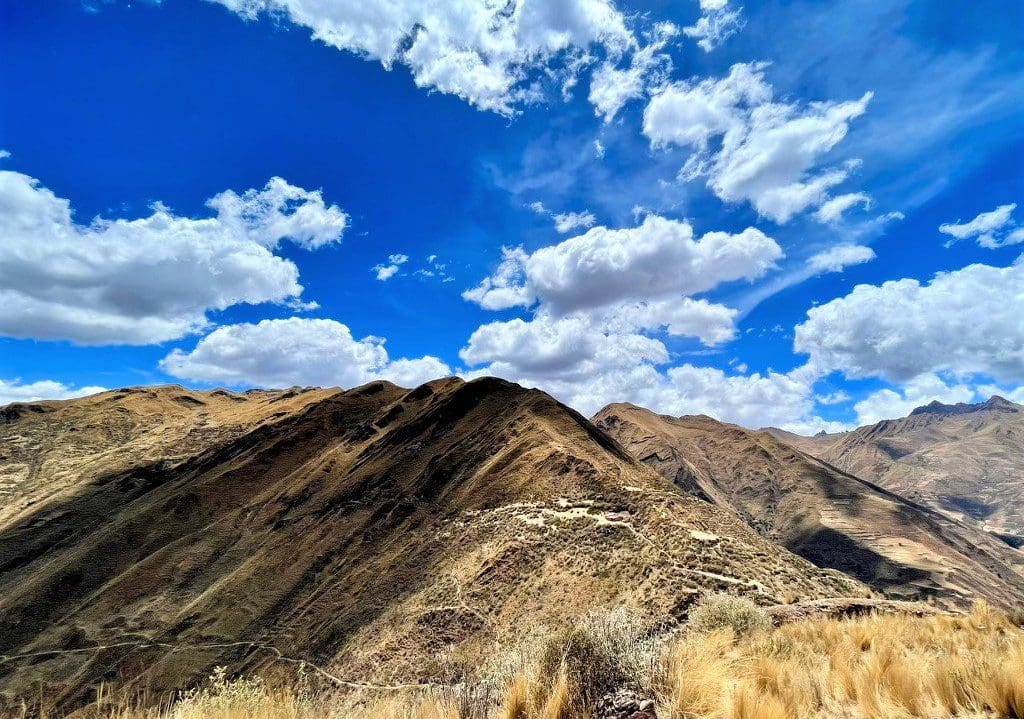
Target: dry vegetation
727	663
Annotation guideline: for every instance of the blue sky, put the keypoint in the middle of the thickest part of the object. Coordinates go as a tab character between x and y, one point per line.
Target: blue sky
685	215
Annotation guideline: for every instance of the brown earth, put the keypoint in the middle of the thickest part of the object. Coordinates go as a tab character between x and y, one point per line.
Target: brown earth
383	535
965	459
827	516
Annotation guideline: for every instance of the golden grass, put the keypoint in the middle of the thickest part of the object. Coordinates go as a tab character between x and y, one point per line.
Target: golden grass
871	667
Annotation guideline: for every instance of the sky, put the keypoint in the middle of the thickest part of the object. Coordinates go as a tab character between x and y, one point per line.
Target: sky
798	214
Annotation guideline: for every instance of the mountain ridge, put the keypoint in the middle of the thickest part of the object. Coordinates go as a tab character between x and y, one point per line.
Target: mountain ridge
966	460
829	516
375	532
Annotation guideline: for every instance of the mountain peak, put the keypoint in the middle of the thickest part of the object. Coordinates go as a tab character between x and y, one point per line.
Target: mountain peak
938	408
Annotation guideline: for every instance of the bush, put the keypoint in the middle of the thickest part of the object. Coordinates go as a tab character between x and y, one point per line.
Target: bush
721	611
599	653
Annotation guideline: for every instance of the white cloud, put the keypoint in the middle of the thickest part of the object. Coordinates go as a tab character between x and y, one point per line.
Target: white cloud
991	229
506	286
690	114
768	151
296	351
658	259
831	211
965	322
612	87
617	372
484	52
152	279
599	149
716	24
600	296
387	271
711	323
4	154
837	397
569	221
919	391
837	258
16	391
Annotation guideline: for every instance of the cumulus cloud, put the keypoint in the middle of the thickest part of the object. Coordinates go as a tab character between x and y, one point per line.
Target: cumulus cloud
769	150
296	351
624	374
919	391
658	259
484	52
151	279
387	271
601	303
14	390
992	229
836	259
965	322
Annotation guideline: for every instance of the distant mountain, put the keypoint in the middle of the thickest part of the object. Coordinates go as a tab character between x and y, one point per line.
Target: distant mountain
966	459
828	516
150	534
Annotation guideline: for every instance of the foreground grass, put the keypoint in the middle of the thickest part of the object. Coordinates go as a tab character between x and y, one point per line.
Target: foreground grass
727	664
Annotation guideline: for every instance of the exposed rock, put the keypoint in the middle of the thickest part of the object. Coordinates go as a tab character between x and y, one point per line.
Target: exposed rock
625	704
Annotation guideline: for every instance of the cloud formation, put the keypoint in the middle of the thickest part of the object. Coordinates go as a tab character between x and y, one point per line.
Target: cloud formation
483	52
838	258
716	24
966	322
769	150
14	390
151	279
387	271
992	229
658	259
296	351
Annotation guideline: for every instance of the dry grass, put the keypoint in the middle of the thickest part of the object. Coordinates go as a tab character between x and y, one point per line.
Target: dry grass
871	667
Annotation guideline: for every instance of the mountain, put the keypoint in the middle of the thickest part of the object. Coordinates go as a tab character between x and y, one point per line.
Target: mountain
825	515
379	533
965	459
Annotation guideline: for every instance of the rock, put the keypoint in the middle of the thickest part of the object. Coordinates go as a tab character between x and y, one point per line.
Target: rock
625	704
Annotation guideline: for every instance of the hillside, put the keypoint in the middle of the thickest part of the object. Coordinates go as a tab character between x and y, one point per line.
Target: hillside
827	516
382	533
965	459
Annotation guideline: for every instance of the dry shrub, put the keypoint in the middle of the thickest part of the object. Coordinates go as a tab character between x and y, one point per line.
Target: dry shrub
967	666
1002	686
718	611
751	703
696	676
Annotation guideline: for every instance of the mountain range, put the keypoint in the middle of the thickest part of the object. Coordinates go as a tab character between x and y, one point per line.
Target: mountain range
149	534
157	532
966	460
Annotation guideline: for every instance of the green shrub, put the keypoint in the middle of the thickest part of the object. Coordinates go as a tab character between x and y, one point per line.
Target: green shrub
719	611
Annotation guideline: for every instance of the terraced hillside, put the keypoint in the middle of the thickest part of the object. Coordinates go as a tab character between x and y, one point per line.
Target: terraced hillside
832	518
964	459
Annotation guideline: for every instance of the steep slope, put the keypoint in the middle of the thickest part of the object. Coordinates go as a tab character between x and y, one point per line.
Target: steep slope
966	459
827	516
49	448
379	532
